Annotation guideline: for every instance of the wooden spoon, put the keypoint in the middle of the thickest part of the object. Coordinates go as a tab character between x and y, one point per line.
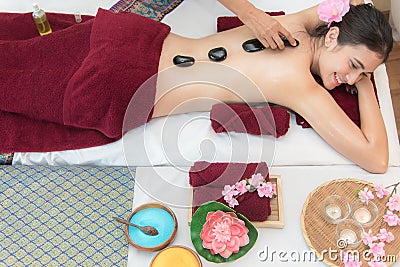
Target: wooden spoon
148	230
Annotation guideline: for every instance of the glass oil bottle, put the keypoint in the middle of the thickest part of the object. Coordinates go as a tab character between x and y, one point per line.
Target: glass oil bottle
42	24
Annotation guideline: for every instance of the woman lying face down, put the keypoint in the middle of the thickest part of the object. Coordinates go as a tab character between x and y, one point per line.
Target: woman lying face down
345	52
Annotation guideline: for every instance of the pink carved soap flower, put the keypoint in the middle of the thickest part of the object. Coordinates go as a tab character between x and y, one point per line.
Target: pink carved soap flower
224	233
333	10
365	195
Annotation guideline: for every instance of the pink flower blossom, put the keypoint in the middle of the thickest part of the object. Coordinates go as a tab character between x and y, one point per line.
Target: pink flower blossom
377	249
256	180
377	263
350	260
381	191
385	236
232	202
267	190
241	187
365	195
224	233
369	238
391	218
333	10
229	192
394	203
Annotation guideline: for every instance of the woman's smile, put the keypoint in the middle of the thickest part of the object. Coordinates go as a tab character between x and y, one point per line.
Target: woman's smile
337	79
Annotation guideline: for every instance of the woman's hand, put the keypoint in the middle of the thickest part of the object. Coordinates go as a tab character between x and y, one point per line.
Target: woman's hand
363	82
266	29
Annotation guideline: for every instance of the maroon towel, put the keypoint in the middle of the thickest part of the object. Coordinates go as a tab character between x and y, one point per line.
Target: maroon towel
267	120
37	73
208	181
229	22
347	101
124	52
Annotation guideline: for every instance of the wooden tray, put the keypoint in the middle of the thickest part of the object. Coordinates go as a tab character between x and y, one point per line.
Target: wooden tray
275	220
321	236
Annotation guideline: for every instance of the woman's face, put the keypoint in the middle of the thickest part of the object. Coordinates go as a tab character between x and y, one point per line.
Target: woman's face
347	64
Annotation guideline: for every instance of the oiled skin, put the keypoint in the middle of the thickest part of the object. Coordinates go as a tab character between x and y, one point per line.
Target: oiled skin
282	77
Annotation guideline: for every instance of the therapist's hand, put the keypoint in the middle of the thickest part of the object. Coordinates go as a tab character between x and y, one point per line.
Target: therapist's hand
266	28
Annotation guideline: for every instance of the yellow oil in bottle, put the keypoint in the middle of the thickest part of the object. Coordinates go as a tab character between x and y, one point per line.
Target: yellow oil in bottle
41	22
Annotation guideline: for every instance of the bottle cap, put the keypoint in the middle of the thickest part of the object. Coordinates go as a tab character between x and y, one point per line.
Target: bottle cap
35	6
78	17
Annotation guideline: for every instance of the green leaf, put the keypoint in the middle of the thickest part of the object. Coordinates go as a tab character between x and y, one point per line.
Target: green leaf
198	220
358	193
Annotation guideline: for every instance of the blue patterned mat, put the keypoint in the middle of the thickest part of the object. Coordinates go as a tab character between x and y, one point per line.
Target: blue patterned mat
62	216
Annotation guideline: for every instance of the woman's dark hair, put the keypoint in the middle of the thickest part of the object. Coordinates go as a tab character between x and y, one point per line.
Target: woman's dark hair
363	24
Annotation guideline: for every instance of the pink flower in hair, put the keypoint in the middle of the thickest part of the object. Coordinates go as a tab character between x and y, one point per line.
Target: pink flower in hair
333	10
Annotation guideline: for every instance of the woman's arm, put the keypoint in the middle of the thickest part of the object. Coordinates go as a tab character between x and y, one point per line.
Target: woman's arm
366	146
264	27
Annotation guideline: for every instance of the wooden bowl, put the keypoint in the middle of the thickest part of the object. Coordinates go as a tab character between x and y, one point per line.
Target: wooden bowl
171	257
157	222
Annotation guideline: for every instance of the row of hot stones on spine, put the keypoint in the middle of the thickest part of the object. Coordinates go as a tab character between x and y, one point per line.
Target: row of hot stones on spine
219	53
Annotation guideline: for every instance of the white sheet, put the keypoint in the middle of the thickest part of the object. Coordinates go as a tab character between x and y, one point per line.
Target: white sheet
183	139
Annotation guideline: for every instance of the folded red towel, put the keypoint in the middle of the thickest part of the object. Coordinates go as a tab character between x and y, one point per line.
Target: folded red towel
208	181
347	101
229	22
267	120
86	64
124	52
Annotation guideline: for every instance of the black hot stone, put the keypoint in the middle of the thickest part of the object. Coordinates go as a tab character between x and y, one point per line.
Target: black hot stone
183	61
286	42
254	45
217	54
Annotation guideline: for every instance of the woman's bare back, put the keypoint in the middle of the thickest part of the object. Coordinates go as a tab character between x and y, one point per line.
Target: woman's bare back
258	77
279	77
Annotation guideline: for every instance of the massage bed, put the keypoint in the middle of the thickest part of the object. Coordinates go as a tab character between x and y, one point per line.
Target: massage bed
180	140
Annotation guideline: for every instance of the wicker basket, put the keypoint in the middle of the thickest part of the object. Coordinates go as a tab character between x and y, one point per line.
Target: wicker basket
321	236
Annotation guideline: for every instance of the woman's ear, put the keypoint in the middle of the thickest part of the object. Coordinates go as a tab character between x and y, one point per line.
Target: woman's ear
331	38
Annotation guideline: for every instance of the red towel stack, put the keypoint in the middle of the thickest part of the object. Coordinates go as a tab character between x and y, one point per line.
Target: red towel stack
268	120
208	181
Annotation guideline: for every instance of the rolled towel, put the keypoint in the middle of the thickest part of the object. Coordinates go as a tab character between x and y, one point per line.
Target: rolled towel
267	120
208	181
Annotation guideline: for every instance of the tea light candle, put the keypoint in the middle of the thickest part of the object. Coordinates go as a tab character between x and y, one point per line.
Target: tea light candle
158	218
362	215
348	235
333	211
176	256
